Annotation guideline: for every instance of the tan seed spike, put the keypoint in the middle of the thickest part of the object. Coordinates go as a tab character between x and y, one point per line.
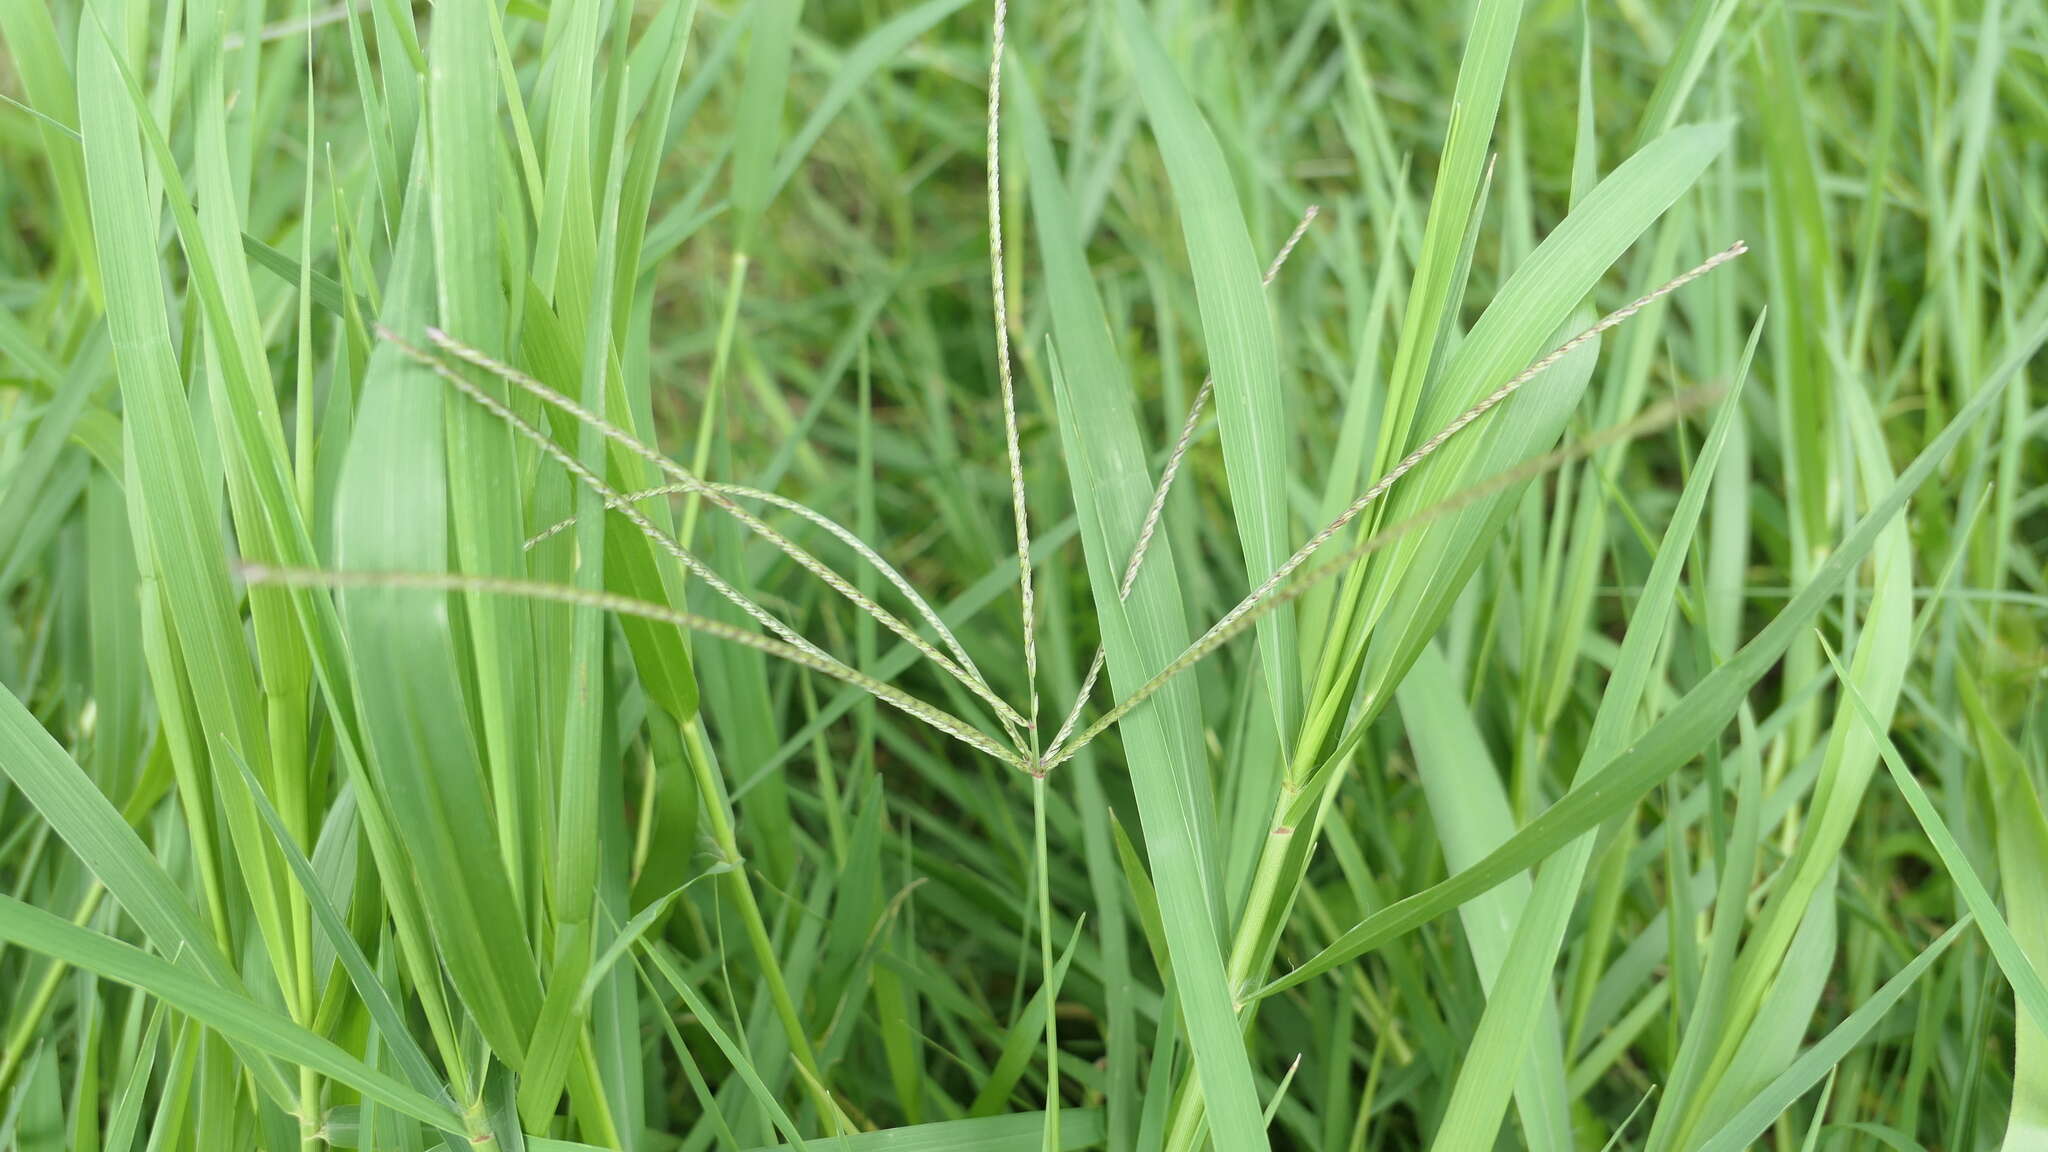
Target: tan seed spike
998	292
937	718
1257	601
725	503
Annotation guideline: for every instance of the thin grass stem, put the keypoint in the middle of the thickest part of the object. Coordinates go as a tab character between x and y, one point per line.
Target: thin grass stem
618	435
998	292
938	718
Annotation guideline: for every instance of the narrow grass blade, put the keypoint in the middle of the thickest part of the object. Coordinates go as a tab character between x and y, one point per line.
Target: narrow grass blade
1238	330
234	1016
1112	489
2022	833
1470	810
2006	949
396	1033
1016	1132
1816	1062
1693	720
707	1018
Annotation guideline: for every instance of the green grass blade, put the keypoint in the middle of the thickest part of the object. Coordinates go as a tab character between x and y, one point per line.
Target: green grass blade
2022	833
1026	1031
759	127
386	1015
1432	308
1238	330
486	514
233	1016
1112	489
1470	809
707	1018
1694	720
1016	1132
392	510
2012	958
1816	1062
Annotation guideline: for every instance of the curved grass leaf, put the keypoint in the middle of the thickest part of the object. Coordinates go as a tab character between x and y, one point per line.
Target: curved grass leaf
1238	330
2022	831
1112	487
1693	721
1818	1061
1470	810
234	1016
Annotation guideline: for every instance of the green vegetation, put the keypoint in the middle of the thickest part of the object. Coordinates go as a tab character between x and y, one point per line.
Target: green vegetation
717	574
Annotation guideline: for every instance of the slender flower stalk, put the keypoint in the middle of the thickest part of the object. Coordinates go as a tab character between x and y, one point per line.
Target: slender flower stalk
1262	599
1165	486
998	292
938	718
717	499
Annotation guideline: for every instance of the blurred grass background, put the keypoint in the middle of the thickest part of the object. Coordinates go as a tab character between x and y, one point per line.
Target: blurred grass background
1722	734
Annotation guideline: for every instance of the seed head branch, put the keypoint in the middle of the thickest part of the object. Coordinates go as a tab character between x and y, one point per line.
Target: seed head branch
1428	447
938	718
1165	486
1002	314
576	468
1188	426
726	504
1223	631
839	532
1264	598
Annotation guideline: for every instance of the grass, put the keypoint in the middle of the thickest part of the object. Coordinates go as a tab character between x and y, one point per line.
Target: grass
726	574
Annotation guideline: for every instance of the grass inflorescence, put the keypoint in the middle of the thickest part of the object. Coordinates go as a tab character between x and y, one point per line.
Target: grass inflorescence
716	575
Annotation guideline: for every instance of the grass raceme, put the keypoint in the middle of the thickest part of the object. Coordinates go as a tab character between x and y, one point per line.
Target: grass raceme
738	574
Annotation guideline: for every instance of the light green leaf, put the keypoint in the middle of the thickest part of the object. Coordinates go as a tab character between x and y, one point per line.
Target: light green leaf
1112	487
232	1015
1243	358
1816	1062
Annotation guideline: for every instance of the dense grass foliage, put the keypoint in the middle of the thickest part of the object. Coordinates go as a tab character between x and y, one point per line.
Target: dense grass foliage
717	574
